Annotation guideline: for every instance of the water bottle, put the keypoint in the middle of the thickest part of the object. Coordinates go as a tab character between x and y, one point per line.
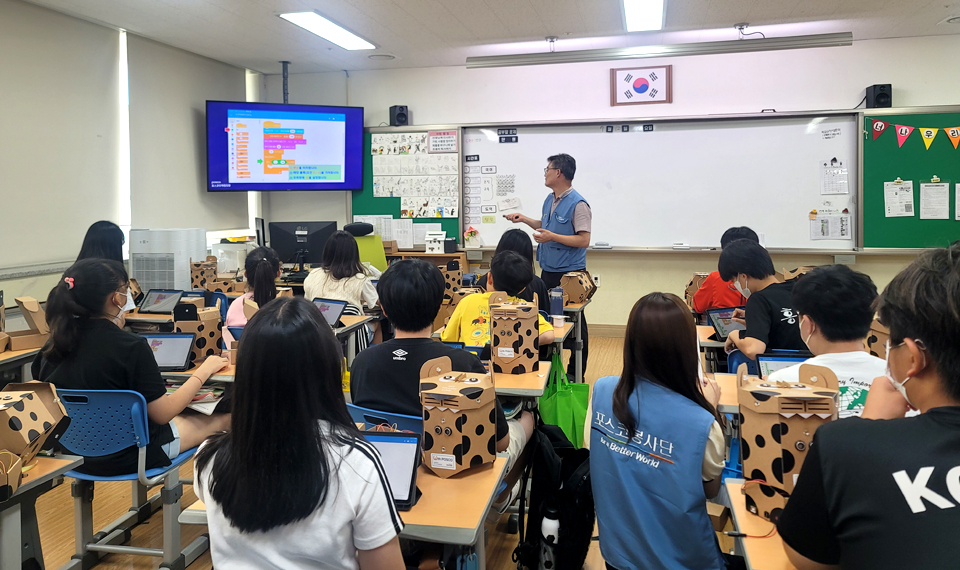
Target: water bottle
549	535
556	301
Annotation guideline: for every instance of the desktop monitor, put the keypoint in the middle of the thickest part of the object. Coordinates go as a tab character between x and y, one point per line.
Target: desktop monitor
300	242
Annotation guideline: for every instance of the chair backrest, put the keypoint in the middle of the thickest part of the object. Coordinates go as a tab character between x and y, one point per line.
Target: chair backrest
104	421
375	417
224	304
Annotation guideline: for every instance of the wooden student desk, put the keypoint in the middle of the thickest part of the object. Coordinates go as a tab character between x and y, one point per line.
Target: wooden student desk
728	392
451	511
759	553
529	385
18	359
19	535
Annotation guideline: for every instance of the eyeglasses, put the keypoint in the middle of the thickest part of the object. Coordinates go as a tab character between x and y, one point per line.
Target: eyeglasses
917	341
548	169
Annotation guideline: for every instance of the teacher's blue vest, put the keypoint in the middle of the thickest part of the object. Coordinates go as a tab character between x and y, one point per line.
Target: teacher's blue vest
555	257
651	508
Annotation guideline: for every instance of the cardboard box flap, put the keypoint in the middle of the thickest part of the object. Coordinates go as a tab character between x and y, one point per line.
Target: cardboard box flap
442	387
33	314
11	471
250	308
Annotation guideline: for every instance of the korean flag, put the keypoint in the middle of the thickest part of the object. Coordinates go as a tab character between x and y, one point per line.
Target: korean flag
642	85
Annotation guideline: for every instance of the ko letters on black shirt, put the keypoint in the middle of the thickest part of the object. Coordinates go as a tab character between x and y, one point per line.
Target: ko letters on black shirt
771	318
880	494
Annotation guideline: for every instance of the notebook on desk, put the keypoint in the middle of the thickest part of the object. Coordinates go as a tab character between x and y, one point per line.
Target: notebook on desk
160	301
723	323
331	310
171	350
400	456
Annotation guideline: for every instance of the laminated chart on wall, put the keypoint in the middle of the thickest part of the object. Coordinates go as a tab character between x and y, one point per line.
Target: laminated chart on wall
898	198
419	168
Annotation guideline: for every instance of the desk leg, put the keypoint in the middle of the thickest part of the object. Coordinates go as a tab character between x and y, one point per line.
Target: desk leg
10	540
480	547
578	349
351	348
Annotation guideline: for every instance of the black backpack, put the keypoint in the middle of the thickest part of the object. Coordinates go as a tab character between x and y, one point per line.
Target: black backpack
561	479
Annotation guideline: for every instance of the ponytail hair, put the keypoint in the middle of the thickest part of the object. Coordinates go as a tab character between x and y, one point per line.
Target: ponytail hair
77	298
261	267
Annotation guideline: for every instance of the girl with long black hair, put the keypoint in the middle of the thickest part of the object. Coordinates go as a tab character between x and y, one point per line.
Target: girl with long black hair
294	484
89	350
656	446
261	268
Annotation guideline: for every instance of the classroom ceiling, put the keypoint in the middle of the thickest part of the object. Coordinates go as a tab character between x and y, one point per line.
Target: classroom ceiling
428	33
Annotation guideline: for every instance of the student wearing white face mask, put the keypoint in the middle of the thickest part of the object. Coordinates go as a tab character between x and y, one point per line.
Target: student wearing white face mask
835	304
88	350
771	321
883	491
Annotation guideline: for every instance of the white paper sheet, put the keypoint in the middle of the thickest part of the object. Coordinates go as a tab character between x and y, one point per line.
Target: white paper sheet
935	201
420	232
831	227
403	233
898	199
957	203
833	177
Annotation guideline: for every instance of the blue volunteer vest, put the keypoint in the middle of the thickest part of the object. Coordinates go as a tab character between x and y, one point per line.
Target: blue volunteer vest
555	257
651	508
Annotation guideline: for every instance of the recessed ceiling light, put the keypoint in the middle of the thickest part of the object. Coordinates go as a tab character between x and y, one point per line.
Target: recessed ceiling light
643	15
381	56
317	24
951	20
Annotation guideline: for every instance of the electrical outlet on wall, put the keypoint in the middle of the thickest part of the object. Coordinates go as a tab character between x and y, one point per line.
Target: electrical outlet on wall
596	280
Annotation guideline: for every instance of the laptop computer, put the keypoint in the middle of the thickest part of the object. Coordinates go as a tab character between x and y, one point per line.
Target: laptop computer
768	363
723	323
400	455
331	310
459	345
160	301
171	350
235	332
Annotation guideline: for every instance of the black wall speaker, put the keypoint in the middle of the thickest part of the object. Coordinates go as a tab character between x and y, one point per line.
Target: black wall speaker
399	117
879	96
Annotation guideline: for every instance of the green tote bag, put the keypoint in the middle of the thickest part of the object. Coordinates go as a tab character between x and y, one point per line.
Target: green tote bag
564	404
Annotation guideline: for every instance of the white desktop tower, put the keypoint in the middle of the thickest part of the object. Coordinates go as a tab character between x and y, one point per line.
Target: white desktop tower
160	259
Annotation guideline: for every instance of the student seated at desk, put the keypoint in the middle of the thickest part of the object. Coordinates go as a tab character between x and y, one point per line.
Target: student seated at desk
882	491
104	240
657	447
714	292
510	272
294	484
835	308
770	318
261	269
341	276
519	241
89	350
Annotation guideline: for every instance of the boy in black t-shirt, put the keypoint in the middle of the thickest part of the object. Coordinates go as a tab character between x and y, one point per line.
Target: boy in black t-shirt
770	319
386	376
883	491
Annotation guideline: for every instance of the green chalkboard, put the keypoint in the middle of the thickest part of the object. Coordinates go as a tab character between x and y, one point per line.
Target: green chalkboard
364	202
884	160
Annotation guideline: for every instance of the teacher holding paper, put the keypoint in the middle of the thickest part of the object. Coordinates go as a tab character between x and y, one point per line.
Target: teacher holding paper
563	230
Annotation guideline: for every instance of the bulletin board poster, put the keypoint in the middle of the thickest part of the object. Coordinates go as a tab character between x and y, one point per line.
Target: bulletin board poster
426	181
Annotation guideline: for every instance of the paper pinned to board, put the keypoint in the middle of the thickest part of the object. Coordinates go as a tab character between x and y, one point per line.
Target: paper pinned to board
420	232
834	178
935	201
403	233
509	203
831	226
898	198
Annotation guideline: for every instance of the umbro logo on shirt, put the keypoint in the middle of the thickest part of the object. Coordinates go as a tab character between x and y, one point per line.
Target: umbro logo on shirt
399	354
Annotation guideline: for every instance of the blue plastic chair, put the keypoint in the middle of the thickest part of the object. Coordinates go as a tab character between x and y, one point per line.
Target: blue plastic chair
224	304
736	358
103	422
376	417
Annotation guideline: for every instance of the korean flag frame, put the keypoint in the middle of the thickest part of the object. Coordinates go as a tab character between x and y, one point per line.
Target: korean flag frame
658	88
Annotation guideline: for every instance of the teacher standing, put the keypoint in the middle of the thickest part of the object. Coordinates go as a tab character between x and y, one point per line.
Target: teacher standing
562	232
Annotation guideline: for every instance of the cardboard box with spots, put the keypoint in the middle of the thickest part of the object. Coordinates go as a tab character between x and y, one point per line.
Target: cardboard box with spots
29	414
514	335
203	271
452	279
459	418
37	331
876	340
448	305
578	285
693	286
777	423
209	331
224	286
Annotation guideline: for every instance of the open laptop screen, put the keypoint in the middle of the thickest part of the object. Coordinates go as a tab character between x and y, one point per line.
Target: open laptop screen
399	453
331	309
170	350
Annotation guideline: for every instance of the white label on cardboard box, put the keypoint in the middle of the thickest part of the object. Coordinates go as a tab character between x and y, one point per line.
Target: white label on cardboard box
505	352
442	461
795	475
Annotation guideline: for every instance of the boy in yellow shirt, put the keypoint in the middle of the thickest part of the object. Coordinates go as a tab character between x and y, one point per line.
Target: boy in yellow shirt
510	272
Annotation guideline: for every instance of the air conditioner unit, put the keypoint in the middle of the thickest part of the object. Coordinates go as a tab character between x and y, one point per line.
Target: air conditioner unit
160	259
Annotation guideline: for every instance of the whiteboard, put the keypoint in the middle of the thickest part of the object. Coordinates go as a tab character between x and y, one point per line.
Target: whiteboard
685	182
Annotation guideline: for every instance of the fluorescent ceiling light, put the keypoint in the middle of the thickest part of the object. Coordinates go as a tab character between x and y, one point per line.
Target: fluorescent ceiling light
317	24
673	50
643	15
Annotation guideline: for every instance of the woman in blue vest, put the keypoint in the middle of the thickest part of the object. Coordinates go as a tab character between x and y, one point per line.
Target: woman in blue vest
562	232
656	446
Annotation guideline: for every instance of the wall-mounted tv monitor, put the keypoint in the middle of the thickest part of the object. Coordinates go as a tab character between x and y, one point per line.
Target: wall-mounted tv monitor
266	146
